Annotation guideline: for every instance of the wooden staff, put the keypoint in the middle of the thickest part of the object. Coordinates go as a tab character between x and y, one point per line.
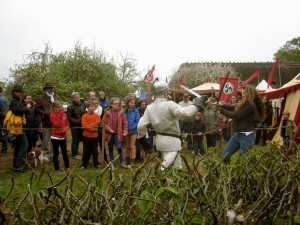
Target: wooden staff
279	74
174	95
103	145
221	138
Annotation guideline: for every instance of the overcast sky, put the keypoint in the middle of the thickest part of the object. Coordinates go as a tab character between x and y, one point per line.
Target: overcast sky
165	33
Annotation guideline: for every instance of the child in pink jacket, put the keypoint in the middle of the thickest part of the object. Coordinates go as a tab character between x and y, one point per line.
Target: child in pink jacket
116	128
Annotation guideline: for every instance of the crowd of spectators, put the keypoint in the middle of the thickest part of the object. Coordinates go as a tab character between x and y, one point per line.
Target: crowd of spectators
46	119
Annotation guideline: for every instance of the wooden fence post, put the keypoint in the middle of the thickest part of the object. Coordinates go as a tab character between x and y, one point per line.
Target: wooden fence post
103	146
221	138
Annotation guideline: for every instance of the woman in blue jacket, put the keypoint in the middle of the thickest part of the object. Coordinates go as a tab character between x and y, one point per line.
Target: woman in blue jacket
133	118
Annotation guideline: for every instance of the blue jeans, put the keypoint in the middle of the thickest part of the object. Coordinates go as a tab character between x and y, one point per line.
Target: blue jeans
5	138
185	126
151	135
114	140
20	152
236	142
286	141
198	144
76	137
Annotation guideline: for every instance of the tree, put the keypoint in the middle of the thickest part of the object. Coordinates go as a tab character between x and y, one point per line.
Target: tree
290	52
195	74
81	69
127	68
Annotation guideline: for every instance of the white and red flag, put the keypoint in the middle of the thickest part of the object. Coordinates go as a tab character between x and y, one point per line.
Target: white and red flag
230	88
149	75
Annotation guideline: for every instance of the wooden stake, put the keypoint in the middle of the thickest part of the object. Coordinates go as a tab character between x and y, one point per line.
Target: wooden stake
174	96
205	144
103	146
279	74
221	138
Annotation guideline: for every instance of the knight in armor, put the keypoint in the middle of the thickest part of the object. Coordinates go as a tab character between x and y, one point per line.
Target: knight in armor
164	116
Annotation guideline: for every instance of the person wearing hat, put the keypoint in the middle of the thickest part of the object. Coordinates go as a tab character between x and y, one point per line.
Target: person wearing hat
43	107
185	125
20	149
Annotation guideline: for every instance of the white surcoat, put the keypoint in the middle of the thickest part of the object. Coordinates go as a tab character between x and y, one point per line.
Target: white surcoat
164	115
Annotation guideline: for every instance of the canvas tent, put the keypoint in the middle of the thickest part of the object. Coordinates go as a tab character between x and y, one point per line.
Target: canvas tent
262	86
291	93
207	88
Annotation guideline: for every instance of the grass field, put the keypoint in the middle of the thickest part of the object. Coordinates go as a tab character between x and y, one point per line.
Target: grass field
251	179
21	179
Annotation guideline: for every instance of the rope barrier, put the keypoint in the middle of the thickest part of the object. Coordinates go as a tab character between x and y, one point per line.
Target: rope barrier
207	132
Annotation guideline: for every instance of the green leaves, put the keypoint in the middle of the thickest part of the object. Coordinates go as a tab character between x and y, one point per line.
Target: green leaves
145	205
159	191
197	220
100	183
81	69
173	190
290	52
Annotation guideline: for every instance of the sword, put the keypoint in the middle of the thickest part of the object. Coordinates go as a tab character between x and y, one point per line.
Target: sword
190	91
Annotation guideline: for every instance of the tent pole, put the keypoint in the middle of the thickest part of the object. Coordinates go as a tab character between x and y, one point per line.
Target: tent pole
279	74
174	96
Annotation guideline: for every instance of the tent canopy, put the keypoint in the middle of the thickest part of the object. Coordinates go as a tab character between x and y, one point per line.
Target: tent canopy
262	86
293	85
207	88
292	102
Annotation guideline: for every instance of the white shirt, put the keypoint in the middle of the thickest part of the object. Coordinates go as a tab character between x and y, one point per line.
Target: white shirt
98	110
185	104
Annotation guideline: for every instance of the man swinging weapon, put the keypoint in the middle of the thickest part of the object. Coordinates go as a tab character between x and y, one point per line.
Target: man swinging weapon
164	116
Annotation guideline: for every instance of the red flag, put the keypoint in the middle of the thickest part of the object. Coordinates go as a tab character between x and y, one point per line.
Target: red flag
272	72
180	82
149	75
167	79
251	78
230	88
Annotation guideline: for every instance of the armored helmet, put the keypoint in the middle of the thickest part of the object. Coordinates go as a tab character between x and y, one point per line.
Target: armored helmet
160	88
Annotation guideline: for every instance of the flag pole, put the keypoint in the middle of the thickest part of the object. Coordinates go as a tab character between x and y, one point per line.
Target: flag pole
279	74
258	79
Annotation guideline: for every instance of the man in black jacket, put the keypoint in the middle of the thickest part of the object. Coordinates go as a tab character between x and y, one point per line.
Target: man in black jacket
75	113
43	108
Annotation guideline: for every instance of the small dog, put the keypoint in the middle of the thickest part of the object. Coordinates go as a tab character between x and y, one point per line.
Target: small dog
34	155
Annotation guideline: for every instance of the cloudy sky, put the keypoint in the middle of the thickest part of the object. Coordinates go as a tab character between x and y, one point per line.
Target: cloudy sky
165	32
